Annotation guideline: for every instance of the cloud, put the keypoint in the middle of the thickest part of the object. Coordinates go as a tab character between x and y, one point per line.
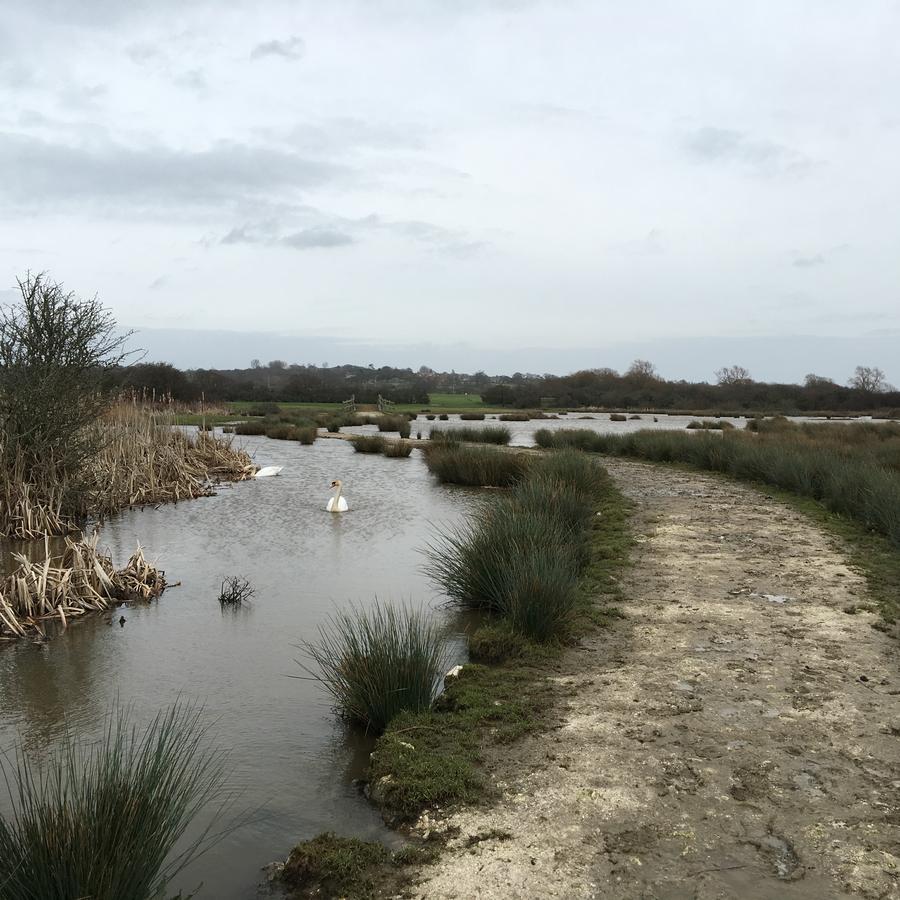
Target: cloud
316	237
723	145
49	173
453	242
192	80
158	283
305	239
291	49
808	262
323	230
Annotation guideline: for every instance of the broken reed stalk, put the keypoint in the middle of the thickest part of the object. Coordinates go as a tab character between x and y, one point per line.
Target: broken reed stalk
143	459
82	580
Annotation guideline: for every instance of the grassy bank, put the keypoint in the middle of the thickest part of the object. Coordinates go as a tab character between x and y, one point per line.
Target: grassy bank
443	754
852	472
846	477
486	434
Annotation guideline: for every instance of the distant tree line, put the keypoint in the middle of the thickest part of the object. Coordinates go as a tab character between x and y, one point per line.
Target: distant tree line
640	387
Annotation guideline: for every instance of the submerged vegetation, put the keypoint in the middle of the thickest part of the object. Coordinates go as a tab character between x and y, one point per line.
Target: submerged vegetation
379	662
100	821
81	580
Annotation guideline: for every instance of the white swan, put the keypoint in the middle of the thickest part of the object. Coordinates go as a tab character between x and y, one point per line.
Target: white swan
336	503
267	471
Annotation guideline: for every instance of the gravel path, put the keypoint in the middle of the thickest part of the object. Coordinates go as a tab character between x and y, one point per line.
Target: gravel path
736	736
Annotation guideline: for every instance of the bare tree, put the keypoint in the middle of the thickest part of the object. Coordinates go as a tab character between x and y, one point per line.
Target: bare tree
869	379
813	380
54	352
642	370
733	375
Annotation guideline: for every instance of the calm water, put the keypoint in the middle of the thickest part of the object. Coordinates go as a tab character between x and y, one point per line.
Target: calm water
288	751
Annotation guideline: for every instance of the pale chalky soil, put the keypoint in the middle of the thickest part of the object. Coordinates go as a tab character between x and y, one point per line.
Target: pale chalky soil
716	743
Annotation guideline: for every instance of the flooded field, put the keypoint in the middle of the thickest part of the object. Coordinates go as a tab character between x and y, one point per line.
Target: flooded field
289	756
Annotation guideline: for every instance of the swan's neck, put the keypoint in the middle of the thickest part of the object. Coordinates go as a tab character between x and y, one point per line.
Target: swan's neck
337	495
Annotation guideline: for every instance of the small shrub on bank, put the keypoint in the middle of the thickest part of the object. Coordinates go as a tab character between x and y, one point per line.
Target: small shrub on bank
307	434
430	417
514	417
333	866
378	662
474	466
369	443
486	434
443	417
472	417
494	642
618	417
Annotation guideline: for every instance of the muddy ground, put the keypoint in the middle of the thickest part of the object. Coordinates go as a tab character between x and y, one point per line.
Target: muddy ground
737	735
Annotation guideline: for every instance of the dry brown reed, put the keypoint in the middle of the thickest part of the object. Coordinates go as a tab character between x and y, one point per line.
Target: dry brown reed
143	459
81	580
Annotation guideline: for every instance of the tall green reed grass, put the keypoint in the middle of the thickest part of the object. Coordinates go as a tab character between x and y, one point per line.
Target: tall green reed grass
101	821
378	662
486	434
474	466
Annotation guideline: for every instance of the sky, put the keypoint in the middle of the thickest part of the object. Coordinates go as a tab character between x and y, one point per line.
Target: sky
499	185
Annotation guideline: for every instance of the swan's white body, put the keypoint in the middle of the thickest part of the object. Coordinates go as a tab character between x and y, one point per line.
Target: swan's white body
267	471
336	503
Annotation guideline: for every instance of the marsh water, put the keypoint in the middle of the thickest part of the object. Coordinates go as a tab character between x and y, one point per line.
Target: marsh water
290	757
291	760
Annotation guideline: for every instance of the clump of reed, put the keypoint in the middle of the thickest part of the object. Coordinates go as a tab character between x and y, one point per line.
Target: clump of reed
392	423
474	466
80	581
368	443
141	458
520	557
709	425
397	449
443	417
617	417
485	434
307	434
514	417
378	662
101	820
284	431
472	417
252	427
430	417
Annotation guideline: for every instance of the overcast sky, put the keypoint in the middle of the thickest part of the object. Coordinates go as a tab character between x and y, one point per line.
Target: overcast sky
502	182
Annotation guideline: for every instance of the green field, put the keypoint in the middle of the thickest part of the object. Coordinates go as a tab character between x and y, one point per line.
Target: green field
437	403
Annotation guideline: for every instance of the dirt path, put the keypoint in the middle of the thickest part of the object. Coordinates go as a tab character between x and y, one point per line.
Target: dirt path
722	742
